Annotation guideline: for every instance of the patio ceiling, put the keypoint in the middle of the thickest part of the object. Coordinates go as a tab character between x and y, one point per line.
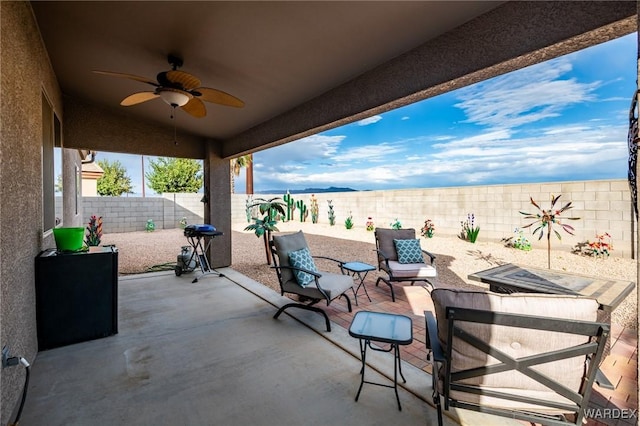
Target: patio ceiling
304	67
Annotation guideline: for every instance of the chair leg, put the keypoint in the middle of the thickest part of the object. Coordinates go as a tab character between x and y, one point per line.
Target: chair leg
387	282
436	400
308	308
348	301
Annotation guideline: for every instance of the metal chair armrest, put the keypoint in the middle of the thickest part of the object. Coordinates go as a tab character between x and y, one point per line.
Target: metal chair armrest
293	268
433	342
386	260
339	262
315	274
381	253
431	256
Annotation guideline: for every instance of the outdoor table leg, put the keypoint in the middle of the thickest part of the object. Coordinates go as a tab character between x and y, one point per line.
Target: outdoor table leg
383	328
397	367
361	279
358	271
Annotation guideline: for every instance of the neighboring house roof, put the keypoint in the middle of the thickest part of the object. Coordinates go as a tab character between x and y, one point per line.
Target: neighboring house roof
91	171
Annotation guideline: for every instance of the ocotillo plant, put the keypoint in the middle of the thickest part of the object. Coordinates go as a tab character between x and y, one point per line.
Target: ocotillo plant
303	210
290	205
546	219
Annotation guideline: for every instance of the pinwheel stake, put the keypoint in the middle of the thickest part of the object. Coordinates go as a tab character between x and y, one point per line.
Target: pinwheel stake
545	219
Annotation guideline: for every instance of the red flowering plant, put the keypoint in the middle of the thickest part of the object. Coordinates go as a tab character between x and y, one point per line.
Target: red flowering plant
601	247
545	219
370	225
428	229
94	231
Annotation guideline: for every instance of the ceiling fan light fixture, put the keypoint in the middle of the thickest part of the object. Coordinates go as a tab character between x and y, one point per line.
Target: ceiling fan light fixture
174	98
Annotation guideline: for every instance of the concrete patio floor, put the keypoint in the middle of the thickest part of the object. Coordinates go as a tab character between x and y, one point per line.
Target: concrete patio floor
210	353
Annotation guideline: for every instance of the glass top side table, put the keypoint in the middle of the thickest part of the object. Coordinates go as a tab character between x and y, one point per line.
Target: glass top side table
382	327
359	271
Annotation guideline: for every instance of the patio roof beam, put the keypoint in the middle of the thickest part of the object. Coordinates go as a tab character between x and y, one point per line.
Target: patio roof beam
510	37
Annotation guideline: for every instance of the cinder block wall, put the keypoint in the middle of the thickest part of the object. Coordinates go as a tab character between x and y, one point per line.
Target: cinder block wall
128	214
601	205
178	205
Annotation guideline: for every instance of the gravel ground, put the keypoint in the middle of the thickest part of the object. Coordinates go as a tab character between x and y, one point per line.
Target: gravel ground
143	251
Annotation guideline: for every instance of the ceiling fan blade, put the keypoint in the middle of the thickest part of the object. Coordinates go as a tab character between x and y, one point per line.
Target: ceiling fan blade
195	107
186	80
129	76
138	98
218	97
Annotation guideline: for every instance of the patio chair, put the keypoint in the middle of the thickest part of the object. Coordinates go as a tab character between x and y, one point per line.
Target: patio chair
406	264
531	357
298	275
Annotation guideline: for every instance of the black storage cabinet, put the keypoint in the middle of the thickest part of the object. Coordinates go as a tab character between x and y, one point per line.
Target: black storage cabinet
76	296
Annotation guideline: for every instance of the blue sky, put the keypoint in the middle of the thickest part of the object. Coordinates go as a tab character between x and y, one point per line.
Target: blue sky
565	119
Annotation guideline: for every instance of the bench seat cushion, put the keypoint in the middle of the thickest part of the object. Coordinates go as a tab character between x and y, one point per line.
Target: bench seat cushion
411	270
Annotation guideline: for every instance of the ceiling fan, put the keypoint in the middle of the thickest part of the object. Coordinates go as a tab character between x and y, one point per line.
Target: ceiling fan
178	89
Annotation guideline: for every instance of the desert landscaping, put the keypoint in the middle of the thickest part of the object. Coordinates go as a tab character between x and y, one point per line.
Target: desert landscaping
140	252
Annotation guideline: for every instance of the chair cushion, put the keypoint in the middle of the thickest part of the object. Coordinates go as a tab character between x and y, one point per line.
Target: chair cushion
285	244
516	342
385	237
409	251
302	259
333	284
411	270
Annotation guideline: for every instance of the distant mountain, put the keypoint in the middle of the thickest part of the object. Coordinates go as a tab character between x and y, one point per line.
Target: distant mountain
307	190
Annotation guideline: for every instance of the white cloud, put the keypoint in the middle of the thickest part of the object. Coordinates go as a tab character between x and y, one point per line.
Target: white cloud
487	138
370	153
524	96
569	151
406	117
369	120
311	148
616	99
552	152
443	138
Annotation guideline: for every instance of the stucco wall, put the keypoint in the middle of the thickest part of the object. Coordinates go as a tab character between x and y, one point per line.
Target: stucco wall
602	205
25	72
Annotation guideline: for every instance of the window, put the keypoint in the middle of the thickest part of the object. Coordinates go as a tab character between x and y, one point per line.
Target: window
51	164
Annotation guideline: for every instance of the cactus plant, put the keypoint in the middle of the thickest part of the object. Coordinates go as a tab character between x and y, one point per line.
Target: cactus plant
332	215
303	210
290	205
314	209
248	207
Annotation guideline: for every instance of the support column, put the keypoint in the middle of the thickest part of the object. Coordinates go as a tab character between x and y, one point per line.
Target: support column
637	180
217	208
